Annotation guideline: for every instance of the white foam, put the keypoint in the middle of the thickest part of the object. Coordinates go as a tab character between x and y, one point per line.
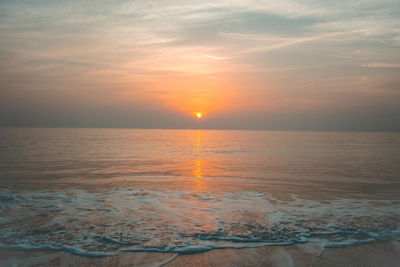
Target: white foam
107	223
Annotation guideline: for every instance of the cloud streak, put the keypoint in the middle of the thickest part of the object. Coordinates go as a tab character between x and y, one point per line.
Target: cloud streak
382	65
213	57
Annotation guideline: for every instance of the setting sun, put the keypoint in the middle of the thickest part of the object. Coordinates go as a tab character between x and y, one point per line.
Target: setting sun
199	115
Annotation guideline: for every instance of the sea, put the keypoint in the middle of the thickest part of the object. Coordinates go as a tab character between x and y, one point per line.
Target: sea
103	192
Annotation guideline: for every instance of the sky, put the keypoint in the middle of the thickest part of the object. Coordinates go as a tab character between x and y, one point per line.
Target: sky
263	65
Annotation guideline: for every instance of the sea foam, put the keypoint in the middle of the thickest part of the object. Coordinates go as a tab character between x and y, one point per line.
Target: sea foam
124	220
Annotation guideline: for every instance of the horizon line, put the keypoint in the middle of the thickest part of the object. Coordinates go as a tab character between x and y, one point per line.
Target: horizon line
208	129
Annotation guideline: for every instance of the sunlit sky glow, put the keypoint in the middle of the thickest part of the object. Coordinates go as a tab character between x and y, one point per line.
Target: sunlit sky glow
289	65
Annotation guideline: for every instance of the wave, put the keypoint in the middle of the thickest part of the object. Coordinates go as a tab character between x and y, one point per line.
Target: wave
107	223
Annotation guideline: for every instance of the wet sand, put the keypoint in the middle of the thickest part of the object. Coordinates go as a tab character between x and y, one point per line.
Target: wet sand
383	253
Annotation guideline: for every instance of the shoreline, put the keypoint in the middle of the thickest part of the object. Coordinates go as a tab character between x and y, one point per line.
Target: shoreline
378	253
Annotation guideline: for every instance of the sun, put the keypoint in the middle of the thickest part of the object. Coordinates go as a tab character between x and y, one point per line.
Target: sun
199	115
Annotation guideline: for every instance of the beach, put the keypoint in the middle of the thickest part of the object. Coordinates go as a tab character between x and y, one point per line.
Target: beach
382	253
200	133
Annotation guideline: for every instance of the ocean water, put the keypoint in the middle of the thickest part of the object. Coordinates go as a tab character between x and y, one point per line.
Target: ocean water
101	192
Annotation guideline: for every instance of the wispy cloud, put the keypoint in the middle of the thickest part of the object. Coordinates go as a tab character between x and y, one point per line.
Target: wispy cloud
381	65
213	57
281	42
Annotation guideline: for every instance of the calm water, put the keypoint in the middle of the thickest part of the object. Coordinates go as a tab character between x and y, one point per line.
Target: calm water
109	191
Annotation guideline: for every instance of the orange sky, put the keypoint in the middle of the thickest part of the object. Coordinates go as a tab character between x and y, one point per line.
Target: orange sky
289	64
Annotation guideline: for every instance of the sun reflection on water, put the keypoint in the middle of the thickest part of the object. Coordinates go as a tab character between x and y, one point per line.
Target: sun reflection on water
198	171
198	163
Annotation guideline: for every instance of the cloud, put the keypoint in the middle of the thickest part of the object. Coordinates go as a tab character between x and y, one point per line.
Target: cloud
381	65
279	42
213	57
